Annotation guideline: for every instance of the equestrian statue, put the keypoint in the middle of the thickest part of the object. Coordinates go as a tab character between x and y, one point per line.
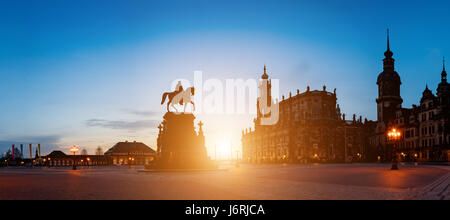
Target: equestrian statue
179	96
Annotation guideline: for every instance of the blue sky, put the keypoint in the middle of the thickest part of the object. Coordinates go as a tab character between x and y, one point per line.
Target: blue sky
91	73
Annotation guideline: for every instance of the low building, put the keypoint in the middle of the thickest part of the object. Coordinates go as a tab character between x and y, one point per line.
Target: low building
59	158
134	153
122	153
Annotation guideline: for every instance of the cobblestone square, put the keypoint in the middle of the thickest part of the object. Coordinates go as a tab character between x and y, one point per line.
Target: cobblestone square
254	182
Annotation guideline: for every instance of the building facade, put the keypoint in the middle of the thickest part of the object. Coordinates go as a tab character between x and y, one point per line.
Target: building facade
60	159
131	153
424	127
122	153
310	128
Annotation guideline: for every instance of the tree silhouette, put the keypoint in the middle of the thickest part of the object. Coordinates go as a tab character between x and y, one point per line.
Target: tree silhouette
8	154
99	151
84	152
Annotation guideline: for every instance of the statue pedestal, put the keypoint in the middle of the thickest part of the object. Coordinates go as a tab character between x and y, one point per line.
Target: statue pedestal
179	145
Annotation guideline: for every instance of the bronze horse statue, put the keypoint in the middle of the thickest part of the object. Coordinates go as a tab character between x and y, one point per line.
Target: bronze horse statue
181	97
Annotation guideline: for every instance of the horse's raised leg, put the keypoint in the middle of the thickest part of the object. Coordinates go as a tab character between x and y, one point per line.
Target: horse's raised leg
185	108
193	105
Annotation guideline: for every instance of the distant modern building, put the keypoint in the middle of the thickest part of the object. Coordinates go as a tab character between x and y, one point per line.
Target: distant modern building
310	128
122	153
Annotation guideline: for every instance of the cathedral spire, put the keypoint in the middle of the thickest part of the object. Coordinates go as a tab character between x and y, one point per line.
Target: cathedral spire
444	73
388	61
443	64
388	54
388	46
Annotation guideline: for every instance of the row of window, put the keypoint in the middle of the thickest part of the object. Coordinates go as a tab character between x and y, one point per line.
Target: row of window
431	130
427	105
428	142
424	131
428	130
425	117
430	116
425	143
411	133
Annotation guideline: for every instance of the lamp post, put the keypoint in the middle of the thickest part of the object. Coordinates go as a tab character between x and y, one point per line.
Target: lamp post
394	137
74	150
237	158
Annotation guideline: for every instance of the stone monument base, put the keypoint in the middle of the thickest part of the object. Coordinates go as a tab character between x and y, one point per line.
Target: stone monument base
182	161
180	147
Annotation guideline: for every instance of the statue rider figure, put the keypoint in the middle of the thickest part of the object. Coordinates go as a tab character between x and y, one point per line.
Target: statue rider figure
178	89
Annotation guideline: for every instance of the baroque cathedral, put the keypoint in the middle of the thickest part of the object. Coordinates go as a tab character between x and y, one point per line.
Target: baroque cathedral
311	127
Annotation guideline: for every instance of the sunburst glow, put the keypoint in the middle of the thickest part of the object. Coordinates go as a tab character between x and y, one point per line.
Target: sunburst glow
223	150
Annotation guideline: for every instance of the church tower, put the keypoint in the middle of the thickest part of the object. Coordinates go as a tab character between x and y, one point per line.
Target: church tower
443	90
265	90
389	99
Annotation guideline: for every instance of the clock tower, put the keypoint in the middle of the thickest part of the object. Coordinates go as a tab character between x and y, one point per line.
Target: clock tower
389	99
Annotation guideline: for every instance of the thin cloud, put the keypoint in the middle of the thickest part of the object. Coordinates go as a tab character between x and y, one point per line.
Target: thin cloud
142	113
122	125
49	139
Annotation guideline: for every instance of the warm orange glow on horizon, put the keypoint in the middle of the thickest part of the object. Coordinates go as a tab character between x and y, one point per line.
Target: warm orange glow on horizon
223	149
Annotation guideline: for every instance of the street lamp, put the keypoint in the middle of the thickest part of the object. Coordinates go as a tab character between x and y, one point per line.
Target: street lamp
394	136
237	158
74	150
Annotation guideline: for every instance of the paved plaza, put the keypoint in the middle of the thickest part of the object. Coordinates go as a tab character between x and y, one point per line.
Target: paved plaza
352	181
